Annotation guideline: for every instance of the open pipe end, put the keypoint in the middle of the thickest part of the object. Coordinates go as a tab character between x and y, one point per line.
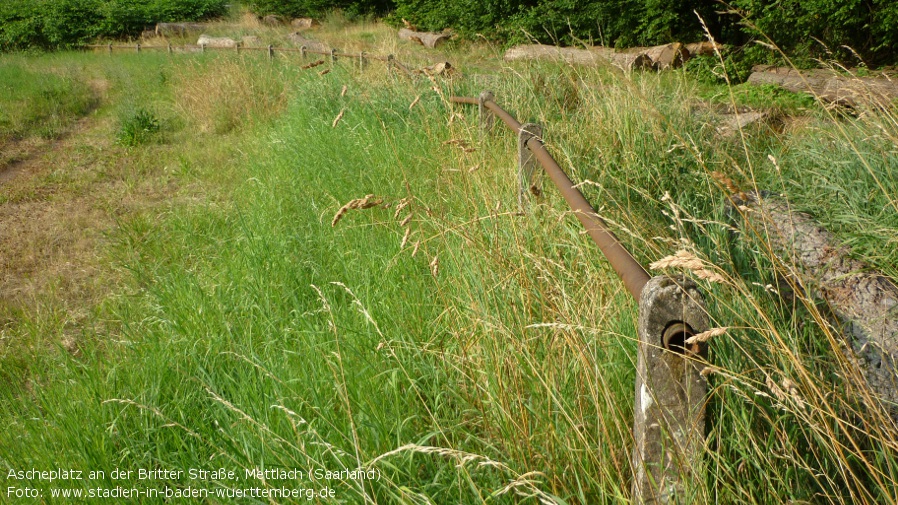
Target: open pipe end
674	339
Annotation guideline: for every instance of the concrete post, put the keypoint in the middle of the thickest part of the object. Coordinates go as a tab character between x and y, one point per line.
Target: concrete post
302	52
486	117
203	47
169	48
138	48
669	422
270	51
527	163
363	60
333	55
110	48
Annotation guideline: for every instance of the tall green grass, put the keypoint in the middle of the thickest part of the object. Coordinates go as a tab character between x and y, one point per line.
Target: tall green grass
39	103
488	356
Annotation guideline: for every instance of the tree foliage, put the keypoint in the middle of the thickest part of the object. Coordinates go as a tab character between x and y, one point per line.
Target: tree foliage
62	23
318	8
811	28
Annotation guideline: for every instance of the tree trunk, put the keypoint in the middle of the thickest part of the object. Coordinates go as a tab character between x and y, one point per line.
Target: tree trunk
864	300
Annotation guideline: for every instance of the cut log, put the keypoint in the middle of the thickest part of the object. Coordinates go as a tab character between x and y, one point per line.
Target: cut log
730	124
178	29
311	44
663	57
865	301
443	68
827	85
703	48
304	23
593	56
426	39
222	42
272	20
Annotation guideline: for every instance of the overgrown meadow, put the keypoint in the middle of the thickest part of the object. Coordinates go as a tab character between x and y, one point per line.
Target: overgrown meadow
467	352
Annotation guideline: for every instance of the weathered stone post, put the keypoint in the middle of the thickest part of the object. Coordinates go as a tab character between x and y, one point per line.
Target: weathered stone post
527	163
333	55
669	419
270	52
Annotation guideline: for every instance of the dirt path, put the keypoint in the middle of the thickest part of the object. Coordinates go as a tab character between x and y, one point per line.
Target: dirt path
52	221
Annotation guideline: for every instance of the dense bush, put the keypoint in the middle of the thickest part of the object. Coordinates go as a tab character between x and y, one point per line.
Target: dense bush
317	8
815	27
612	22
868	26
804	28
61	23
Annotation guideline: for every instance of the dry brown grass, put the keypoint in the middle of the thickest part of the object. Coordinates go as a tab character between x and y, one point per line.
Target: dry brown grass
227	93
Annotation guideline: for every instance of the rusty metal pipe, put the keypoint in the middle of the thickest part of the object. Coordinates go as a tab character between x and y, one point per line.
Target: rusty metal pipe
463	99
624	264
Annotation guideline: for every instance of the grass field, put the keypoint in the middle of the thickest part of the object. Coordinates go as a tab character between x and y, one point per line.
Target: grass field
175	296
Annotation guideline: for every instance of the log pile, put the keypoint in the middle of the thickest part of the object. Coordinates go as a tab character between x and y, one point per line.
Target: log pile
827	85
657	57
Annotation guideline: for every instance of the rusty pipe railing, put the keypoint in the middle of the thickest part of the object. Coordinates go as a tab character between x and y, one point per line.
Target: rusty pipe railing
624	264
669	418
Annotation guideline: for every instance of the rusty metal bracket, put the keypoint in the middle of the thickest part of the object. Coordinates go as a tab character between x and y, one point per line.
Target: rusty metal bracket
527	164
486	117
669	412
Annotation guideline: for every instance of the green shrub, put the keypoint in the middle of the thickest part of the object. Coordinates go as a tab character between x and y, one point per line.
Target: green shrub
613	23
40	103
318	8
137	128
65	23
823	27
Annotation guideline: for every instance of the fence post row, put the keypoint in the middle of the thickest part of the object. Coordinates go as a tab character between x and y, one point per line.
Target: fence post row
527	163
668	424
